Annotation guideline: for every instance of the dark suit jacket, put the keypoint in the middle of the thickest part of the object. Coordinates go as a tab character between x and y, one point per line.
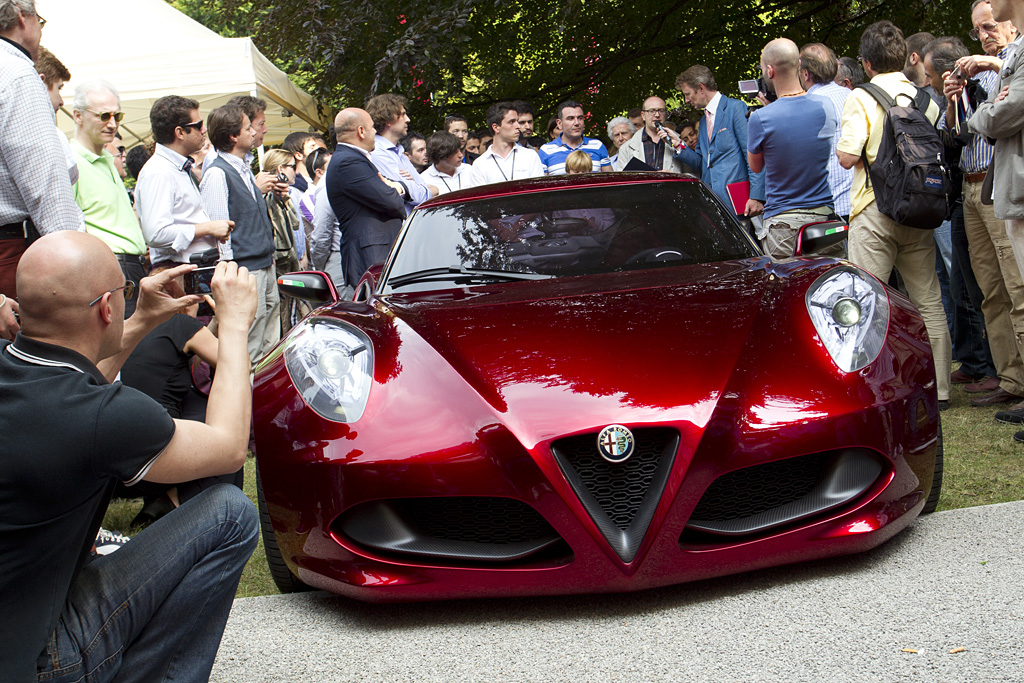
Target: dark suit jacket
728	152
369	212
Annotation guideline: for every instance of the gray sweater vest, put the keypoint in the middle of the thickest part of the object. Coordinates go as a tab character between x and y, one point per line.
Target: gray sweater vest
252	240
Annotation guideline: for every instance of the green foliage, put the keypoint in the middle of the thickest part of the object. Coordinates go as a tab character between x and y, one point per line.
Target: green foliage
464	55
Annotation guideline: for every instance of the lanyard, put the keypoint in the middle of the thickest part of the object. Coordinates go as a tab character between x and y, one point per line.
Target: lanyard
512	171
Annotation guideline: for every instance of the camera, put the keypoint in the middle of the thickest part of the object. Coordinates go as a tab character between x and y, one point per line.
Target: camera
282	178
199	281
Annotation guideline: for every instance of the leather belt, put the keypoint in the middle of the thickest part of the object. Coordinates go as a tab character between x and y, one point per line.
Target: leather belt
12	231
132	258
974	177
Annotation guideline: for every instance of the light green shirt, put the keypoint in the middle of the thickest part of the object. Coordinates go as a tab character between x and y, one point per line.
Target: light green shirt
103	199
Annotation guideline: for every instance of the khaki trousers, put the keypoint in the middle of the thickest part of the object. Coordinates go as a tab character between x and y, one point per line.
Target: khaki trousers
877	244
998	276
266	327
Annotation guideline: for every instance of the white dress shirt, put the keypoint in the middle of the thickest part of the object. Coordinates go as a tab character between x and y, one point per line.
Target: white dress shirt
169	206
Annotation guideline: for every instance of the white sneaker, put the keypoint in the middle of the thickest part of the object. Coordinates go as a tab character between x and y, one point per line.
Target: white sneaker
108	541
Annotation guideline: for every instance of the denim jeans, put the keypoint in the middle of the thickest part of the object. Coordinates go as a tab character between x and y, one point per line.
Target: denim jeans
970	343
155	609
943	267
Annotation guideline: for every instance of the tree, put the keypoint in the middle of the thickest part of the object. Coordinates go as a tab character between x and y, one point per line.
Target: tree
463	55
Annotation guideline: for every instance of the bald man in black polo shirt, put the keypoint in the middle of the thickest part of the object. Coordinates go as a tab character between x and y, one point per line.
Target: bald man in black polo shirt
156	608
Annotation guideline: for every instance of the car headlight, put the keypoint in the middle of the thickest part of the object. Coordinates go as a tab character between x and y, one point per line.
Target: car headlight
331	365
850	311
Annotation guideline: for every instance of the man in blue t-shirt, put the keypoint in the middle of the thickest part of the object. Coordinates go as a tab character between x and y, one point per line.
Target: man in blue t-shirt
554	153
791	139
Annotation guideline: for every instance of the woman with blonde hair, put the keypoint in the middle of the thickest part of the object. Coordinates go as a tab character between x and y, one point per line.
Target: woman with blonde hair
287	228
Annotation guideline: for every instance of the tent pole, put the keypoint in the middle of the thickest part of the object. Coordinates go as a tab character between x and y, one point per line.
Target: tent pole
260	150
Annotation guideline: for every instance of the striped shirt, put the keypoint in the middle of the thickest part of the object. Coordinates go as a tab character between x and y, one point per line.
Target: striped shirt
554	154
840	180
977	155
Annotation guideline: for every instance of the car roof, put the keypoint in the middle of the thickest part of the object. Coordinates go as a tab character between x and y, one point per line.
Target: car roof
559	182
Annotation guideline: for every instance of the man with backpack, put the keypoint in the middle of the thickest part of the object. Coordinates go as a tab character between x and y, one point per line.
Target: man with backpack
894	229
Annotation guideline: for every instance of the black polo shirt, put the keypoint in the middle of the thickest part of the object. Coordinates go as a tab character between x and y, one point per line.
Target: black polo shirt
68	436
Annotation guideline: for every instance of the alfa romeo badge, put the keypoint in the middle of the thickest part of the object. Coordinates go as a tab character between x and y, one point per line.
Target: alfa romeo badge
615	443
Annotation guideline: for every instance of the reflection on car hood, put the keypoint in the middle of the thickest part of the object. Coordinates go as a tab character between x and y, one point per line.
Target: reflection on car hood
556	355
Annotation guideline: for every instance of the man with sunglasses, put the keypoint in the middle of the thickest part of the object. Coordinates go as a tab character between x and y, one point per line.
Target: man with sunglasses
167	194
100	192
35	190
155	609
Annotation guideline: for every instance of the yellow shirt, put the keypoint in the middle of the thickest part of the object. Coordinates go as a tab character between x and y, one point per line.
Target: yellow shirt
863	120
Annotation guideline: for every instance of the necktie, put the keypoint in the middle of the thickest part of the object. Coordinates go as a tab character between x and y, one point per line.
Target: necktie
710	115
187	168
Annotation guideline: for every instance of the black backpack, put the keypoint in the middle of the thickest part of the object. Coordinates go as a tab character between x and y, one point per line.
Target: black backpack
910	176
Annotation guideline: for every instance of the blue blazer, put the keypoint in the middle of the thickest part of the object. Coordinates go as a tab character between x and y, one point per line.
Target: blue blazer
369	212
727	152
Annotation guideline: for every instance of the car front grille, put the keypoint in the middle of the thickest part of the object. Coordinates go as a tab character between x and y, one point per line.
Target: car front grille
620	497
499	521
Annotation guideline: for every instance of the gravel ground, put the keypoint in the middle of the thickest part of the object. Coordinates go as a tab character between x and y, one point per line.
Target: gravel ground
948	589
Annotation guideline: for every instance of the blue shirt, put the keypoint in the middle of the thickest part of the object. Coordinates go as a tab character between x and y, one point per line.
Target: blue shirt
390	160
795	136
554	154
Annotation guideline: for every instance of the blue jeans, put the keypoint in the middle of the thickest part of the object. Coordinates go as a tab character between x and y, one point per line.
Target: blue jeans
970	343
155	609
943	267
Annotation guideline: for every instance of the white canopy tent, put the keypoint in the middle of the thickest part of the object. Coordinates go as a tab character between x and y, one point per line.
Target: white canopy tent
148	49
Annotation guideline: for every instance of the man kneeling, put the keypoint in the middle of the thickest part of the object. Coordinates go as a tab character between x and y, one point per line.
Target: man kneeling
156	608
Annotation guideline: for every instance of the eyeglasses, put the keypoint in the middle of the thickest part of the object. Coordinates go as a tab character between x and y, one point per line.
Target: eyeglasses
42	22
656	111
989	28
105	116
291	165
198	125
129	292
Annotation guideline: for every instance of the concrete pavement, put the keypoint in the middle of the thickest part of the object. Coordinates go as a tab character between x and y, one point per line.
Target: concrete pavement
948	588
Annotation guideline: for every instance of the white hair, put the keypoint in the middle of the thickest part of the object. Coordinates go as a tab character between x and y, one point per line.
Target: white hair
9	12
82	92
619	120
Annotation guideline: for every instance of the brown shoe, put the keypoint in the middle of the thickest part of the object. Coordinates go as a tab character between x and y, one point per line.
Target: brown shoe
995	398
982	386
960	377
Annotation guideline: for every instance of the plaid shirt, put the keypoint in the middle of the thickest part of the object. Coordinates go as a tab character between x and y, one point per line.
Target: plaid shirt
839	178
34	181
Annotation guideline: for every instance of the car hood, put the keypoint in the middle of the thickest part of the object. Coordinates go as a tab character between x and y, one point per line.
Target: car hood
556	357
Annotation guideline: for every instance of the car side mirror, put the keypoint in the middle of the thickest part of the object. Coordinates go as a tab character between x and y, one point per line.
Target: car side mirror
310	285
814	237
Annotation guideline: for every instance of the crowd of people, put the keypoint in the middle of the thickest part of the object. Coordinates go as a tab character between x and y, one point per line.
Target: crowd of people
93	280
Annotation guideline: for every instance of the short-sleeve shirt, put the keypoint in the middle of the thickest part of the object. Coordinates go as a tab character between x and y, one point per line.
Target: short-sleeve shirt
795	136
159	365
69	437
863	120
553	154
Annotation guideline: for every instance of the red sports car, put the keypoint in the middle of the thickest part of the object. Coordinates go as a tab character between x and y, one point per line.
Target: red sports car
588	384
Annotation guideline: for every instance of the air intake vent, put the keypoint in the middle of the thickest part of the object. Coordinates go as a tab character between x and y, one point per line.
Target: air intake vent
762	497
620	497
476	529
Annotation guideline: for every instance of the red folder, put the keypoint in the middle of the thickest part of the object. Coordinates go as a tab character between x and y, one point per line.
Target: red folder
739	193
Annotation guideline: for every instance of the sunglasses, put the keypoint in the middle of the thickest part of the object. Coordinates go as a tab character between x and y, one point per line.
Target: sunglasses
198	125
105	116
129	292
292	166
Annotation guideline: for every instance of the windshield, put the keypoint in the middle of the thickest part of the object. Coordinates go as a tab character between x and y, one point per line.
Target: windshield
562	233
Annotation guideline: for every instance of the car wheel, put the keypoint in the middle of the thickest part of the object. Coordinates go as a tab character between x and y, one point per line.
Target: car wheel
933	497
284	579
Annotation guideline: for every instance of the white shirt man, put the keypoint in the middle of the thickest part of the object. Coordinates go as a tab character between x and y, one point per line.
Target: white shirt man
504	159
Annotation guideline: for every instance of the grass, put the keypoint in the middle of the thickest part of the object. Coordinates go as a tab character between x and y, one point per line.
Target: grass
982	466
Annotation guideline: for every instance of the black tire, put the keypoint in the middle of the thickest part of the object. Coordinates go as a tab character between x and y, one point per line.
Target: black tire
933	497
284	579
